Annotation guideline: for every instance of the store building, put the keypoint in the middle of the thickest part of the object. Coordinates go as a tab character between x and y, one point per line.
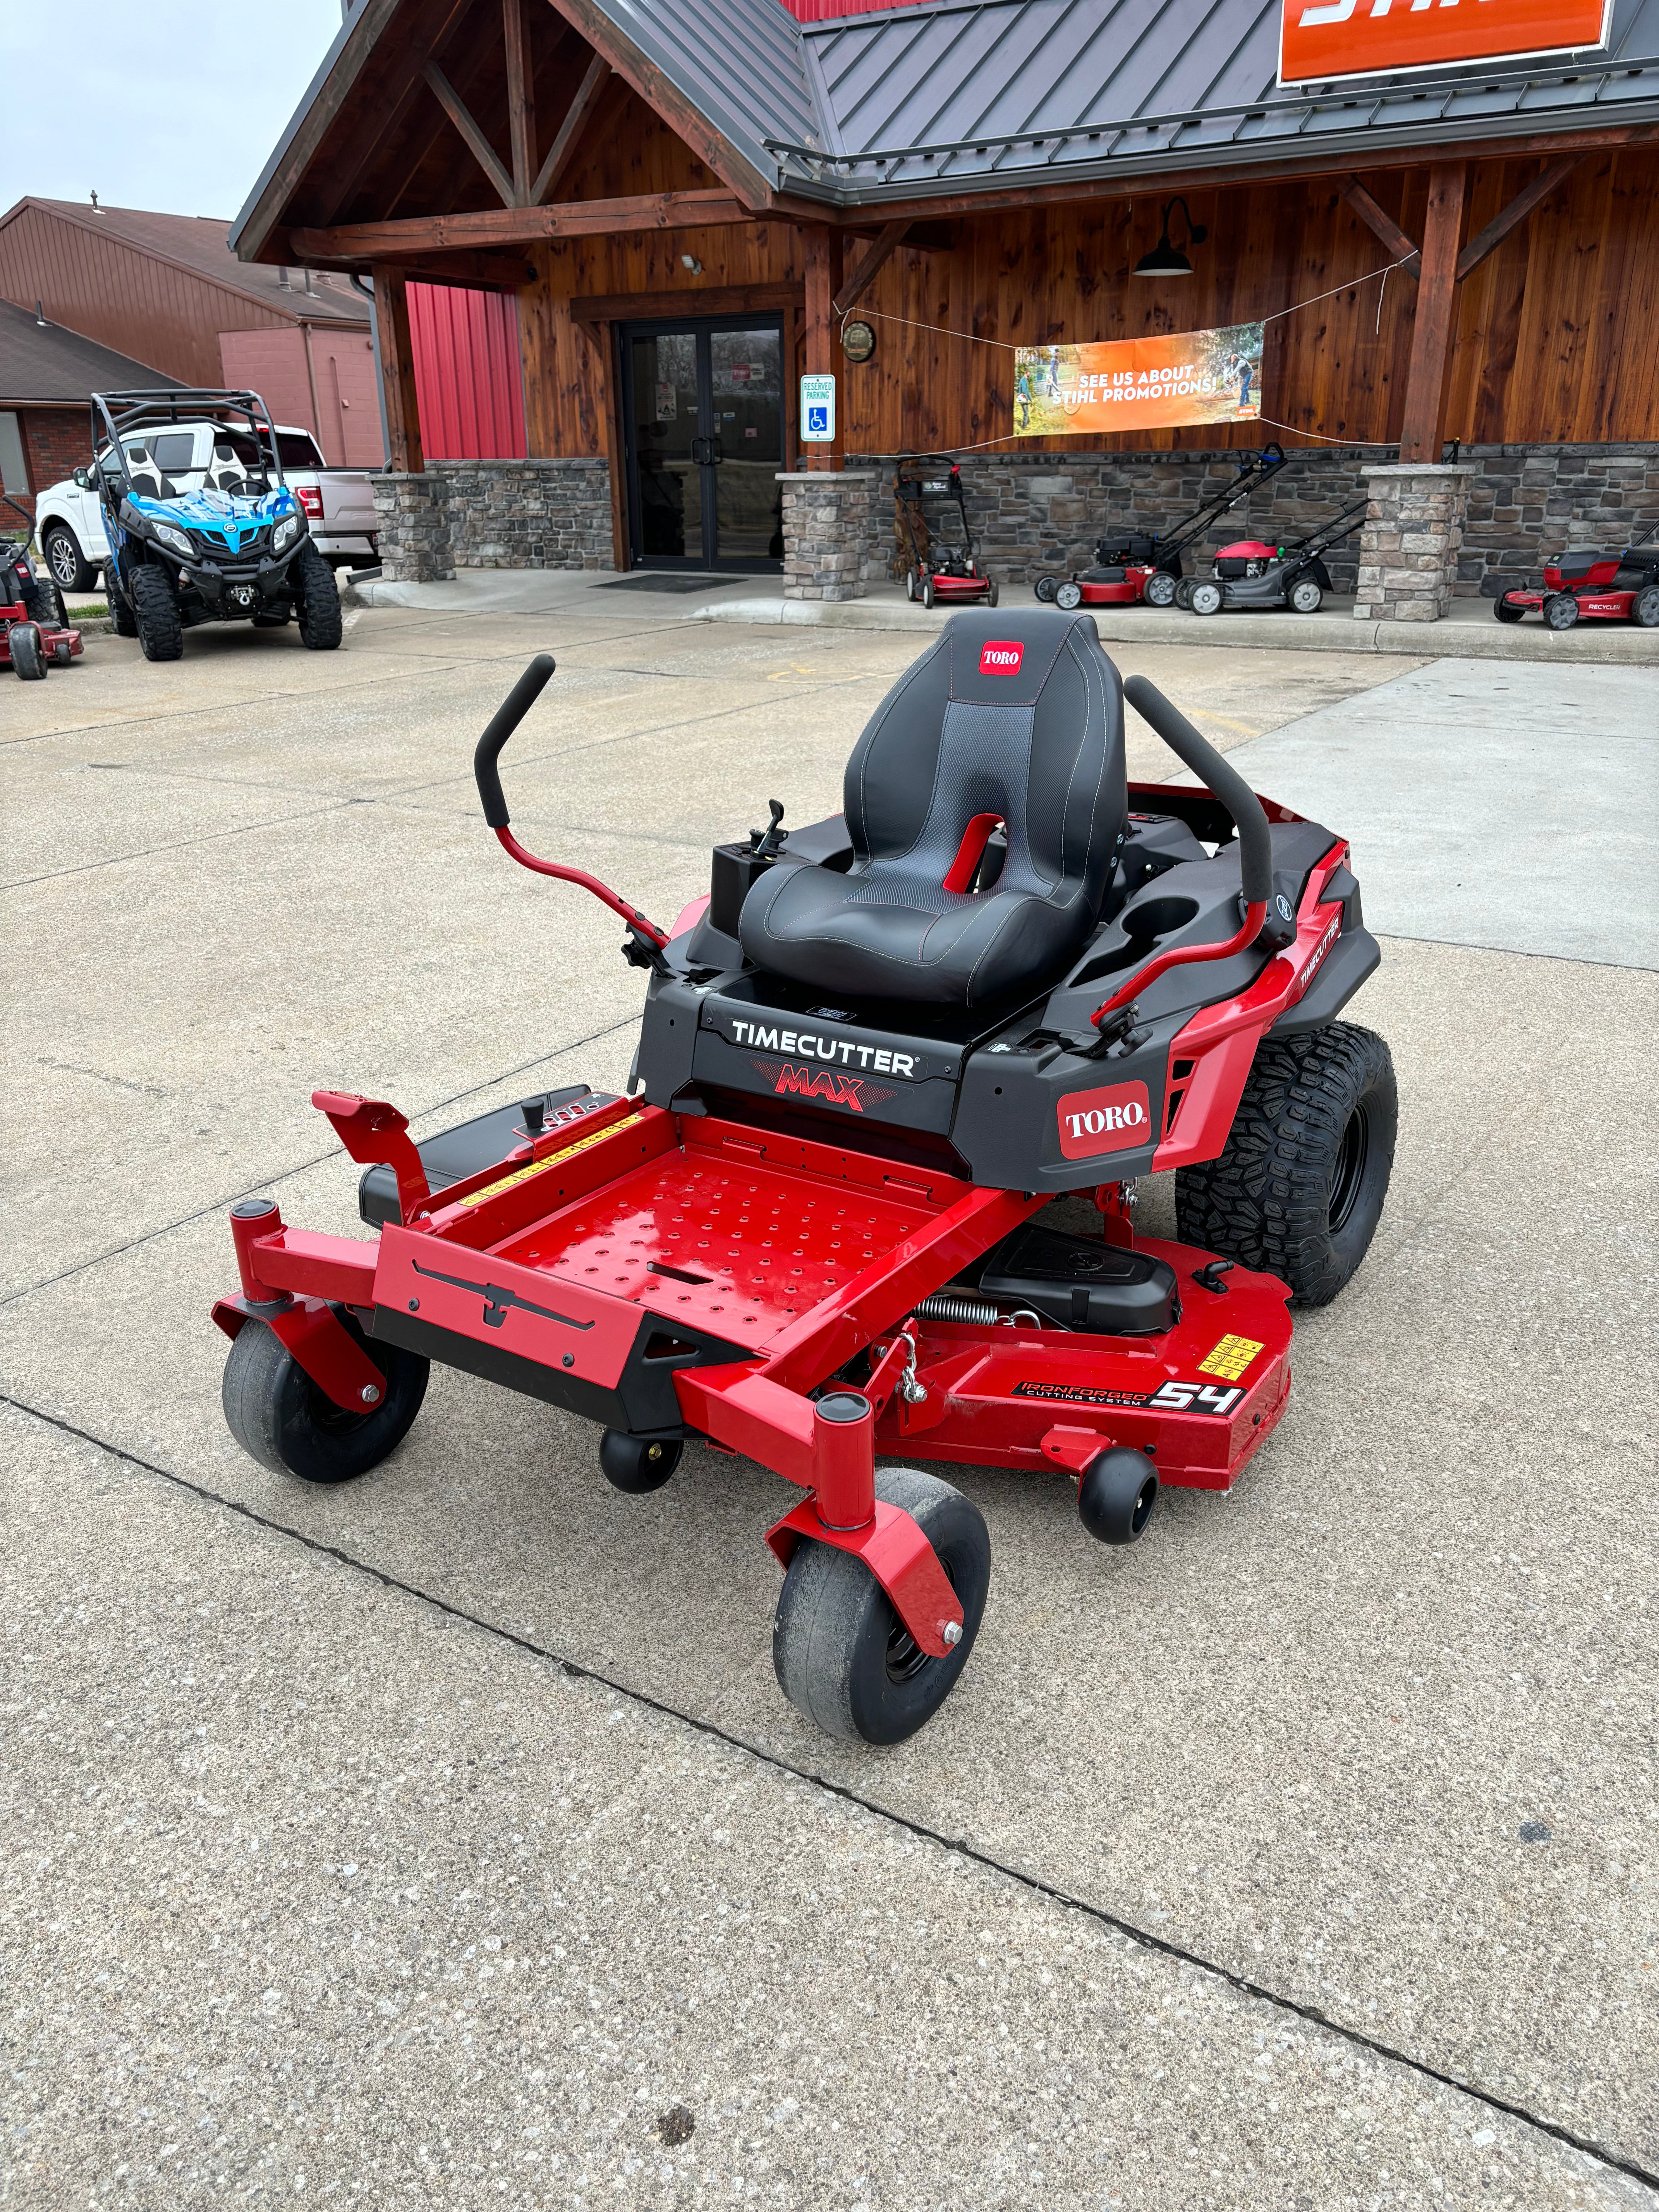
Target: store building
1456	267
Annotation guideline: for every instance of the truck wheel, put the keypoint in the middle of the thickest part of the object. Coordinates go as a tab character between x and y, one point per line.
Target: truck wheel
161	633
65	559
843	1658
280	1418
1298	1187
319	600
28	655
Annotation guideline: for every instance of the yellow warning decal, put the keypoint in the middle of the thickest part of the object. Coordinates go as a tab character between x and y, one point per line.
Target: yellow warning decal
553	1160
1230	1357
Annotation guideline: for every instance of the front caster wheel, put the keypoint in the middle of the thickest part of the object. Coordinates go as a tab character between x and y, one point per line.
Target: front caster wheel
637	1464
1115	1498
280	1418
844	1659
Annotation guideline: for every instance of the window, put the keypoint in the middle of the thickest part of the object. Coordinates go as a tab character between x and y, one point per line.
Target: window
13	478
175	452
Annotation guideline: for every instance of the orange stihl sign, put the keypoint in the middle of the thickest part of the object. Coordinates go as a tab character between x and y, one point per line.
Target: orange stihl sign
1319	39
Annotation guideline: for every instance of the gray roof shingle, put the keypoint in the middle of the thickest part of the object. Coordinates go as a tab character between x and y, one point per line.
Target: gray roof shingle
50	364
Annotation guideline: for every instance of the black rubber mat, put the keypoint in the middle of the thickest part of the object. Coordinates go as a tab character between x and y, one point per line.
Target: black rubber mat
666	580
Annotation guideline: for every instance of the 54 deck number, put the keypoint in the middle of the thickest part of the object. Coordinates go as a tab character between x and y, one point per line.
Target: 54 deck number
1194	1398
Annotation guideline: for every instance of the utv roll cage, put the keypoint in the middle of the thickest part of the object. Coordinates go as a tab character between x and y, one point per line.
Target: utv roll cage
123	413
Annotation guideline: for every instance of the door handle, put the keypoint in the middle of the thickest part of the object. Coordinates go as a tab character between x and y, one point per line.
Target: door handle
706	452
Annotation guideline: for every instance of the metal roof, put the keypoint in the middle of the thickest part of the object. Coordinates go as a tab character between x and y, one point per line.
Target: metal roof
947	97
51	366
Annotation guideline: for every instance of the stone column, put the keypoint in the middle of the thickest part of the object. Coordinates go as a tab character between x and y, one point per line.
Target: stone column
828	526
1409	541
411	517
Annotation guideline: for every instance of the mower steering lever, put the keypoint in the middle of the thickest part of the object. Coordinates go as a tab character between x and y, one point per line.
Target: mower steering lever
646	939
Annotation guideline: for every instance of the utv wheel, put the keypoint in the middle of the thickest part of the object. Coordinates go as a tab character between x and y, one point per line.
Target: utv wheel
280	1418
1645	607
1506	610
1159	589
64	558
1183	593
1045	587
1205	598
319	600
1115	1498
1561	611
844	1659
28	653
1299	1187
121	615
1306	598
1068	594
637	1464
161	633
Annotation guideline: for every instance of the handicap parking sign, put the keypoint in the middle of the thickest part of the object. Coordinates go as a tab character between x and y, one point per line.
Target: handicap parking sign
818	410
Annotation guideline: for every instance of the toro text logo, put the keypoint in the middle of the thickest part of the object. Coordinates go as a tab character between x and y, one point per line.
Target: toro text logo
1319	39
1001	656
1110	1120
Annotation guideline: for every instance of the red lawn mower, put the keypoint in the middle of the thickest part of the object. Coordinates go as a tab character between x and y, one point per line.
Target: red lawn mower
33	632
942	561
1605	587
1135	565
814	1233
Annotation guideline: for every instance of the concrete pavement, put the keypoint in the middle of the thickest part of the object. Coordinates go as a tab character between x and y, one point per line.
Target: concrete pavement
1372	1737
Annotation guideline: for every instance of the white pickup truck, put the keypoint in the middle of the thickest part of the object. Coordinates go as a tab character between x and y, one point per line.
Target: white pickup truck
339	502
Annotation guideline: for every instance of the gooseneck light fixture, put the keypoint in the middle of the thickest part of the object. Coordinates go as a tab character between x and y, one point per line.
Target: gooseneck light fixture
1167	260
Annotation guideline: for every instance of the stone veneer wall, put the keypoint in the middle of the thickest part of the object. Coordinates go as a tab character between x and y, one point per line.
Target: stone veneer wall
831	546
1526	503
1410	542
493	514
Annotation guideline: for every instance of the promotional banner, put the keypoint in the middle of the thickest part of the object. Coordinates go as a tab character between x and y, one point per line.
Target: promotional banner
1139	384
1319	39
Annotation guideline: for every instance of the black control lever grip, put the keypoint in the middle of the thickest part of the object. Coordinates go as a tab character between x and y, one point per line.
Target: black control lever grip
1256	863
502	723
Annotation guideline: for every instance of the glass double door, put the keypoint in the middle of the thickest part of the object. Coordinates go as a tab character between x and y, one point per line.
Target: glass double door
702	410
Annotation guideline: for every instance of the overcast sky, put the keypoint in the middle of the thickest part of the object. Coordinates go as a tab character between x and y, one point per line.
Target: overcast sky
174	106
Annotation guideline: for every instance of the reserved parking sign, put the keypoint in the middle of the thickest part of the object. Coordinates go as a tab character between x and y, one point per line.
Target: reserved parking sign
818	410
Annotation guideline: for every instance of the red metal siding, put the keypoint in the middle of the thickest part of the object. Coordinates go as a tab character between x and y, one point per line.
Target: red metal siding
467	374
273	364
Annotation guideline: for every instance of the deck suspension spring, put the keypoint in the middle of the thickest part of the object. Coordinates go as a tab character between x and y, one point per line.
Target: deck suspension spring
949	1305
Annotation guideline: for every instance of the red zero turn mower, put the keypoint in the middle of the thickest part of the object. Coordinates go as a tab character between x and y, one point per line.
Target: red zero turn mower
814	1234
1135	565
1606	586
1252	576
34	634
935	569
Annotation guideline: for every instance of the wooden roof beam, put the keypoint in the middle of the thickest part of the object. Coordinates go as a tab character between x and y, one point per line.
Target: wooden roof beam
482	152
520	98
561	152
1379	221
870	267
1485	241
393	242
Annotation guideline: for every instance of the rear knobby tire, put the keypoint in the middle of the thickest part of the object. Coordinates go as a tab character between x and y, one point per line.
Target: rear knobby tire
160	632
843	1658
123	620
319	600
1298	1188
1505	612
280	1417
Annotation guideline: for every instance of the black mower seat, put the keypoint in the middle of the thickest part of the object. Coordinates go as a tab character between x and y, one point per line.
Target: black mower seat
1011	719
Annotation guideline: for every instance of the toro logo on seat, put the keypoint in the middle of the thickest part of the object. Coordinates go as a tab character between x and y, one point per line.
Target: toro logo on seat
1001	656
1110	1120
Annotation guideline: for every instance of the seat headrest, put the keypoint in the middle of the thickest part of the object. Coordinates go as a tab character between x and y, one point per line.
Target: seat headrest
1004	660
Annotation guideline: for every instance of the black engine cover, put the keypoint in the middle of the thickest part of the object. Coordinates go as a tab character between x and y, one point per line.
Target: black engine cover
1087	1286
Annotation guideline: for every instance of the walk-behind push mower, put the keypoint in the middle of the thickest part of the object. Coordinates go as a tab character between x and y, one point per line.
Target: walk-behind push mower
813	1234
1132	565
34	631
1252	576
941	553
1604	586
237	549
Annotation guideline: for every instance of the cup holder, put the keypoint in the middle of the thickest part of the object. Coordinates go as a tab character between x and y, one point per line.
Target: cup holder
1144	925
